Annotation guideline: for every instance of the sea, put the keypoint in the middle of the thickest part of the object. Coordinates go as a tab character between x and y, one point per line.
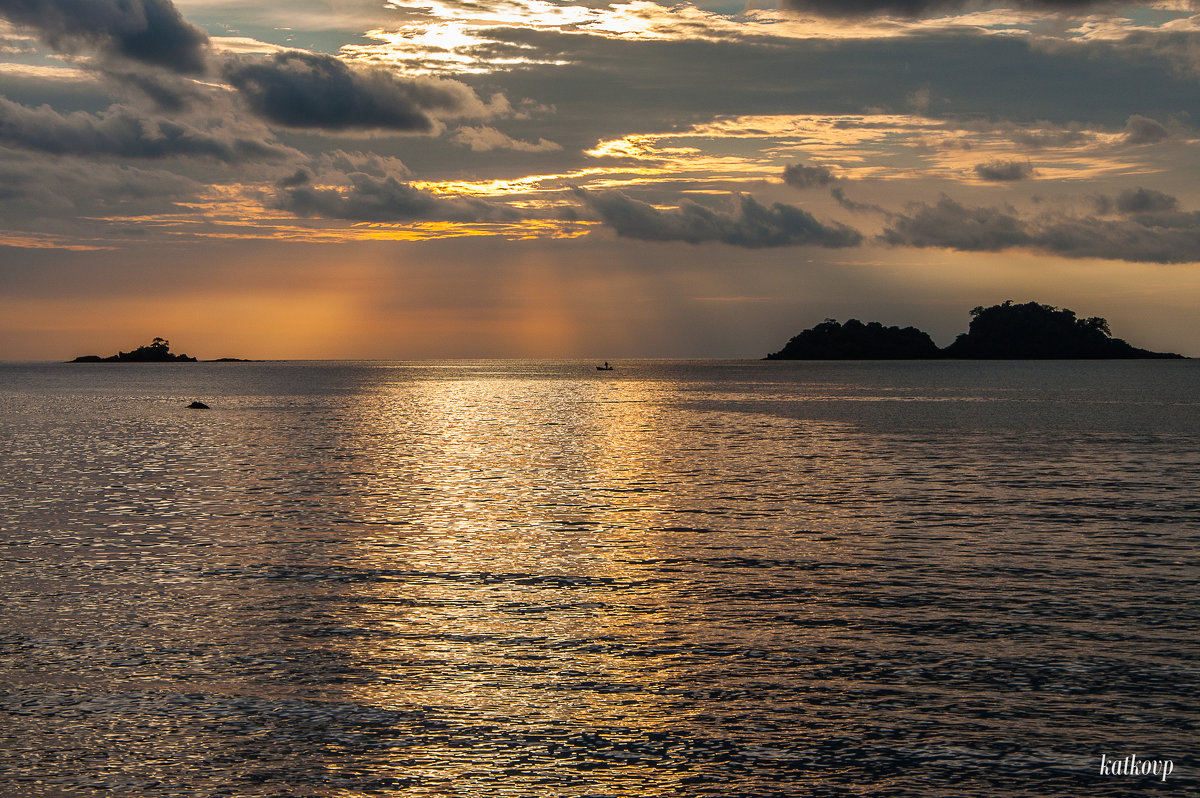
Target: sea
534	578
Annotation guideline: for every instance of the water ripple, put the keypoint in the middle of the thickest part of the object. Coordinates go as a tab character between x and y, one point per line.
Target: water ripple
520	579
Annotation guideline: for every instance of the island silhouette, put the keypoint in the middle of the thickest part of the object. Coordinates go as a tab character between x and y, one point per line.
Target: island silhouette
157	351
1001	332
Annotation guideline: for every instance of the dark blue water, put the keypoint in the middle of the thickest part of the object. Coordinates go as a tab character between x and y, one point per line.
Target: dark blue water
535	579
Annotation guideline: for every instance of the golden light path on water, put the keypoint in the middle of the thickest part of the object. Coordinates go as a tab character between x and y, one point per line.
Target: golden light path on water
459	506
537	492
530	578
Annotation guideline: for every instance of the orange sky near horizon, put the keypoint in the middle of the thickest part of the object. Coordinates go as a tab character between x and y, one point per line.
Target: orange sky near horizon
432	301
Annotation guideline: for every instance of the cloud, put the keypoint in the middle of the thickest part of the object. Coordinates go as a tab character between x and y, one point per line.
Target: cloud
315	91
953	226
301	177
14	45
800	176
916	8
167	91
121	131
1049	136
1168	239
1138	130
1151	237
747	224
483	139
382	199
1173	43
150	31
600	90
857	207
339	163
40	185
920	100
1143	130
1003	171
1145	200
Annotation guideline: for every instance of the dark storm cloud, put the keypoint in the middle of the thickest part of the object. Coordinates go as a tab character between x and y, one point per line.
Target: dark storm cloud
799	175
150	31
1143	130
916	8
1151	237
1003	171
121	131
747	224
309	90
1145	200
382	199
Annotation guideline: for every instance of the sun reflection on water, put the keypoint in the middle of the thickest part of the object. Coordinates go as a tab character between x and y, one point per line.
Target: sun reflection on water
499	530
535	579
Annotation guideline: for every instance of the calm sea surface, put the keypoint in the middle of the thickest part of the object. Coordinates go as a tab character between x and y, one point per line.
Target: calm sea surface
536	579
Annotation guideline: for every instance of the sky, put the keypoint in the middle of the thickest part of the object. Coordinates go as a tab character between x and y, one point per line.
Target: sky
545	178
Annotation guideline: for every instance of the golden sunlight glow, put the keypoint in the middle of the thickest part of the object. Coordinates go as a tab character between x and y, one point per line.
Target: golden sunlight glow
879	146
39	72
236	212
520	185
287	320
244	45
726	154
447	37
1108	28
637	146
317	231
34	241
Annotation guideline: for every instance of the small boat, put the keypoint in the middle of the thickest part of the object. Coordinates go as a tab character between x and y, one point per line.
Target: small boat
605	367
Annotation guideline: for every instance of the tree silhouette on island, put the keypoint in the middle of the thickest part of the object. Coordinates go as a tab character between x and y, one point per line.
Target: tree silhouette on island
1007	331
157	351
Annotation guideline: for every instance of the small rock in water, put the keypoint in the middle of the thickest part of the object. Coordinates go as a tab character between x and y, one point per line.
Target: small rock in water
198	406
